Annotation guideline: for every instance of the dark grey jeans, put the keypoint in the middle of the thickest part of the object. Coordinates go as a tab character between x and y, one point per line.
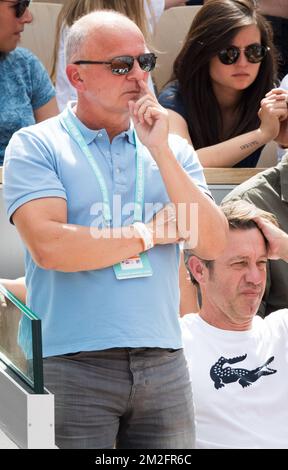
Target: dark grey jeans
125	398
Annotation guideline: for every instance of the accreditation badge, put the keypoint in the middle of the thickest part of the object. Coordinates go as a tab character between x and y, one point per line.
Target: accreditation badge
136	266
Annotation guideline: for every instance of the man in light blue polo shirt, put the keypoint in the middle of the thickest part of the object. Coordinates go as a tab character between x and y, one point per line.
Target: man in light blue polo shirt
83	189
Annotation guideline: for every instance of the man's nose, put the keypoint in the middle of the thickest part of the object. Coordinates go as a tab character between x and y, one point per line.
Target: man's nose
255	275
136	73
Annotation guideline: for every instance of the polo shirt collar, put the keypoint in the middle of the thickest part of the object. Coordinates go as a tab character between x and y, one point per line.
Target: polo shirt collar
130	134
90	134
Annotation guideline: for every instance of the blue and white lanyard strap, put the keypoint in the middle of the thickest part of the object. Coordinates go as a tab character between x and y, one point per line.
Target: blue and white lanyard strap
139	185
139	189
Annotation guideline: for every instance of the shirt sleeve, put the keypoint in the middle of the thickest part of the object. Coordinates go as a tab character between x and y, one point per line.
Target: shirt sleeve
30	171
42	89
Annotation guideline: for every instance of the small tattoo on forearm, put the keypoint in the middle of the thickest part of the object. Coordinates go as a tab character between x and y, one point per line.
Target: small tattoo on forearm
249	145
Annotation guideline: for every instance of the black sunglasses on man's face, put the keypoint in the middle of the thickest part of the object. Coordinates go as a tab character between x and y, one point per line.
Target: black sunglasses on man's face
19	7
121	65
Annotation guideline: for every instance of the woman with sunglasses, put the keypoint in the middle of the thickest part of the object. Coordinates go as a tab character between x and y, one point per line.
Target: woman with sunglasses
224	70
27	95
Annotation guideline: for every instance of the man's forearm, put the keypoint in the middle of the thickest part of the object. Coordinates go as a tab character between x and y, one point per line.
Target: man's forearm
59	246
184	193
73	248
16	286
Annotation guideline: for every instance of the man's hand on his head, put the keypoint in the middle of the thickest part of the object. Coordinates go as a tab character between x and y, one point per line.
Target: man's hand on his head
276	238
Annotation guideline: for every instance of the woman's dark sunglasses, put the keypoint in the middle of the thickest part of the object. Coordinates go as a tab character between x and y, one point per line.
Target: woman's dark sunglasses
19	7
123	64
254	54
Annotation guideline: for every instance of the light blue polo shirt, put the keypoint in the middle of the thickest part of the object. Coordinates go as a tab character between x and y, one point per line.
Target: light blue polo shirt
92	310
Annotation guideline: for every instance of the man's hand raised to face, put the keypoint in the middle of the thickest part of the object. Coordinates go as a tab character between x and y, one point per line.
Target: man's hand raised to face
150	119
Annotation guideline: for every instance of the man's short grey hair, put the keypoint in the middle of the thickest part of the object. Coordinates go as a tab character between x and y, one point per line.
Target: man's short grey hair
81	30
240	215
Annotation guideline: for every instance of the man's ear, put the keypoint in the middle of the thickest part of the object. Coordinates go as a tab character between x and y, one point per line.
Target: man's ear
74	77
197	269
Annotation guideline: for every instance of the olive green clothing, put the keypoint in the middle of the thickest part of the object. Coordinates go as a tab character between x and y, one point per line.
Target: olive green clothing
268	190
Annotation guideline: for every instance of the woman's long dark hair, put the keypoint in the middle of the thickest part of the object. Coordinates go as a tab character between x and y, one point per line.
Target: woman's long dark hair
214	28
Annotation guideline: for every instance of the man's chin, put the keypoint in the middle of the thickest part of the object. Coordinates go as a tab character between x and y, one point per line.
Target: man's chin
246	302
251	305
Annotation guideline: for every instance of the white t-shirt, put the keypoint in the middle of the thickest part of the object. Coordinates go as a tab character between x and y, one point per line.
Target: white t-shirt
239	381
64	90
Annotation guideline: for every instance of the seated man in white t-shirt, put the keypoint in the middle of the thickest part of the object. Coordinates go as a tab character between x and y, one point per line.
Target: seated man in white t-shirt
237	361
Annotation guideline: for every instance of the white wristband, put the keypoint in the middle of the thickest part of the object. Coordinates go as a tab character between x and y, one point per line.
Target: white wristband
145	235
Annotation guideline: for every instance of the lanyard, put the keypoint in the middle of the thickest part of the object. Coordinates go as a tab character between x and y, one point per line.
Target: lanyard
139	185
